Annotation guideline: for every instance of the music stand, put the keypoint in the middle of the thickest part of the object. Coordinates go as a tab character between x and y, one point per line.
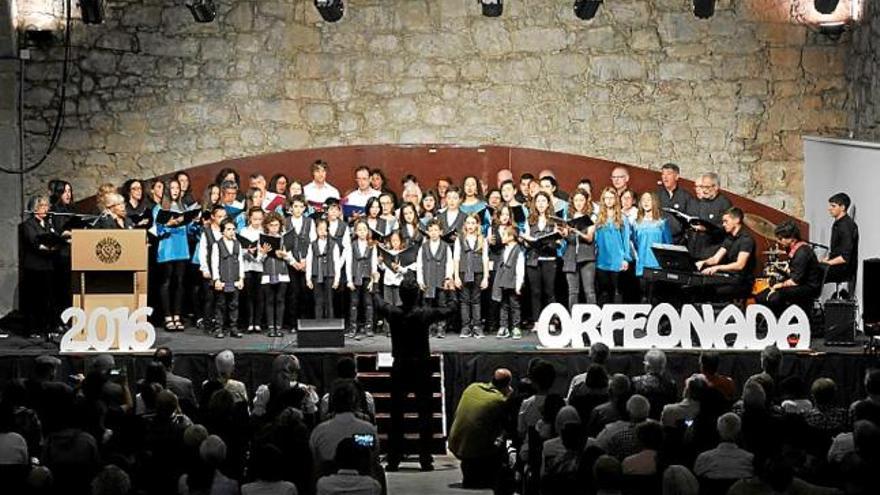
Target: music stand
674	257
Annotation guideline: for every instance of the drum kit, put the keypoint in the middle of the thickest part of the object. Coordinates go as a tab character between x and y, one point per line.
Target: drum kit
776	269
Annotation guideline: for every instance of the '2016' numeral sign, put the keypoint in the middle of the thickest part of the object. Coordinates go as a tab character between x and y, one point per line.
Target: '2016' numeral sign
124	332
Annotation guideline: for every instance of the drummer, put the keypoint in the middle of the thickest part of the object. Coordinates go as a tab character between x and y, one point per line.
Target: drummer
803	279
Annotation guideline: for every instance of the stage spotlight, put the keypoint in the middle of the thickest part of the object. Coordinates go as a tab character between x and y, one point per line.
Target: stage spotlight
492	8
330	10
825	6
202	10
91	11
704	9
586	9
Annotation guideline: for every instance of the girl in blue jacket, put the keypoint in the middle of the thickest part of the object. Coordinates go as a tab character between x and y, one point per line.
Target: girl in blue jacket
613	247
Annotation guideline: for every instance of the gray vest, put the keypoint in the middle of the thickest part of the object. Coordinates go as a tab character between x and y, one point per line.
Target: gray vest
361	269
322	263
210	243
274	266
471	261
505	273
298	243
228	261
577	251
434	268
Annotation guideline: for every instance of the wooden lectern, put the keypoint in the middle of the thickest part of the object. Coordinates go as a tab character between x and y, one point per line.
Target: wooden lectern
109	269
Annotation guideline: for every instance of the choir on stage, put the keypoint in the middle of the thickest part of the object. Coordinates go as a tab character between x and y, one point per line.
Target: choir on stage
256	256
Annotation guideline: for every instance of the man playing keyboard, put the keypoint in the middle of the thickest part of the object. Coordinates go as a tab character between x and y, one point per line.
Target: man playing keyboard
735	257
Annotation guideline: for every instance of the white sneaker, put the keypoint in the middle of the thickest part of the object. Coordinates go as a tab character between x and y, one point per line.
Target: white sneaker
502	333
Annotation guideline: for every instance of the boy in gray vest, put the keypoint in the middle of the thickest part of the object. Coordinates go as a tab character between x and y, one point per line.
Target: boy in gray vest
434	271
323	269
507	286
227	269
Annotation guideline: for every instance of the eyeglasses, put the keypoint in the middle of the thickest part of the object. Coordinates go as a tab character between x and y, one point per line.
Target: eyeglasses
618	177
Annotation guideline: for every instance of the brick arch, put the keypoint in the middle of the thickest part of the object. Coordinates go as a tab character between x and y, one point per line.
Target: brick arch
428	162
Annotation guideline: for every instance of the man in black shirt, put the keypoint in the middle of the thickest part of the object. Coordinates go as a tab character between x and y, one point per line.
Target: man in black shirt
804	281
704	241
735	258
411	370
673	197
843	257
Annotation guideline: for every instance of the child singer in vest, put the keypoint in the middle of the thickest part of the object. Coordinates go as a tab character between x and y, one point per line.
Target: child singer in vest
471	275
409	224
434	271
323	270
541	256
613	247
500	218
211	235
579	259
299	233
507	286
363	272
393	273
451	218
338	231
253	271
227	267
275	276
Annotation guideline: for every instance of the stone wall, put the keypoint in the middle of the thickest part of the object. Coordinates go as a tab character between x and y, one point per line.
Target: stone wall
10	185
644	83
864	74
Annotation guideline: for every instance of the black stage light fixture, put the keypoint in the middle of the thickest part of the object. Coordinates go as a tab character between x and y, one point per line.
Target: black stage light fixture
202	10
825	6
330	10
704	9
586	9
492	8
91	11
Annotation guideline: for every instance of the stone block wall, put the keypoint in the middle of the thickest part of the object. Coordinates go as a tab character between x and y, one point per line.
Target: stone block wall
645	82
864	73
10	185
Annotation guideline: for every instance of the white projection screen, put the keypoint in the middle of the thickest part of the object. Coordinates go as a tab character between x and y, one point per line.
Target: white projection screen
853	167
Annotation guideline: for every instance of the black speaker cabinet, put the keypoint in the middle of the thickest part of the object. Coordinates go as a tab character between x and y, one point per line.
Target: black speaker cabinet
871	290
840	322
320	333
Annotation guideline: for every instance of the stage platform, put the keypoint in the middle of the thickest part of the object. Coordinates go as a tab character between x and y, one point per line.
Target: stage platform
464	360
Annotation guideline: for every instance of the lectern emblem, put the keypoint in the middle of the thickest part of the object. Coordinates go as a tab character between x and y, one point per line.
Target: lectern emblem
108	250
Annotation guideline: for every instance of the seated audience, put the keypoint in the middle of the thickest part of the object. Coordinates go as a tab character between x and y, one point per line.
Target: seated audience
344	424
656	385
268	470
825	416
205	476
869	407
619	438
726	461
180	385
768	378
645	462
111	481
607	476
346	370
677	480
689	407
614	408
793	396
352	476
599	353
285	391
476	428
542	375
591	392
224	364
709	361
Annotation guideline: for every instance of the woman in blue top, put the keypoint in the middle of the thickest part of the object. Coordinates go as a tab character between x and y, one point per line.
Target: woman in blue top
613	249
172	255
473	202
649	228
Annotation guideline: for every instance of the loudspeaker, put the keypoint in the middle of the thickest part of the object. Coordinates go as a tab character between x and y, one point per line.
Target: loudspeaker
871	290
840	322
320	333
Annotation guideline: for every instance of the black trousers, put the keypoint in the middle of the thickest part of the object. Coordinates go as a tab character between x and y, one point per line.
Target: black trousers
779	300
297	301
490	307
323	299
509	315
273	299
542	286
253	298
36	300
480	472
361	296
226	308
195	291
209	302
608	287
61	286
469	302
410	375
171	286
441	300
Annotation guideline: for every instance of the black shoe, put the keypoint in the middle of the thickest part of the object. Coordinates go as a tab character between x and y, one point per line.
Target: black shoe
370	333
392	466
219	335
235	334
426	466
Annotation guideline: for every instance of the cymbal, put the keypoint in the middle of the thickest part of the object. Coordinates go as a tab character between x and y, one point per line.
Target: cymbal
760	225
776	252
